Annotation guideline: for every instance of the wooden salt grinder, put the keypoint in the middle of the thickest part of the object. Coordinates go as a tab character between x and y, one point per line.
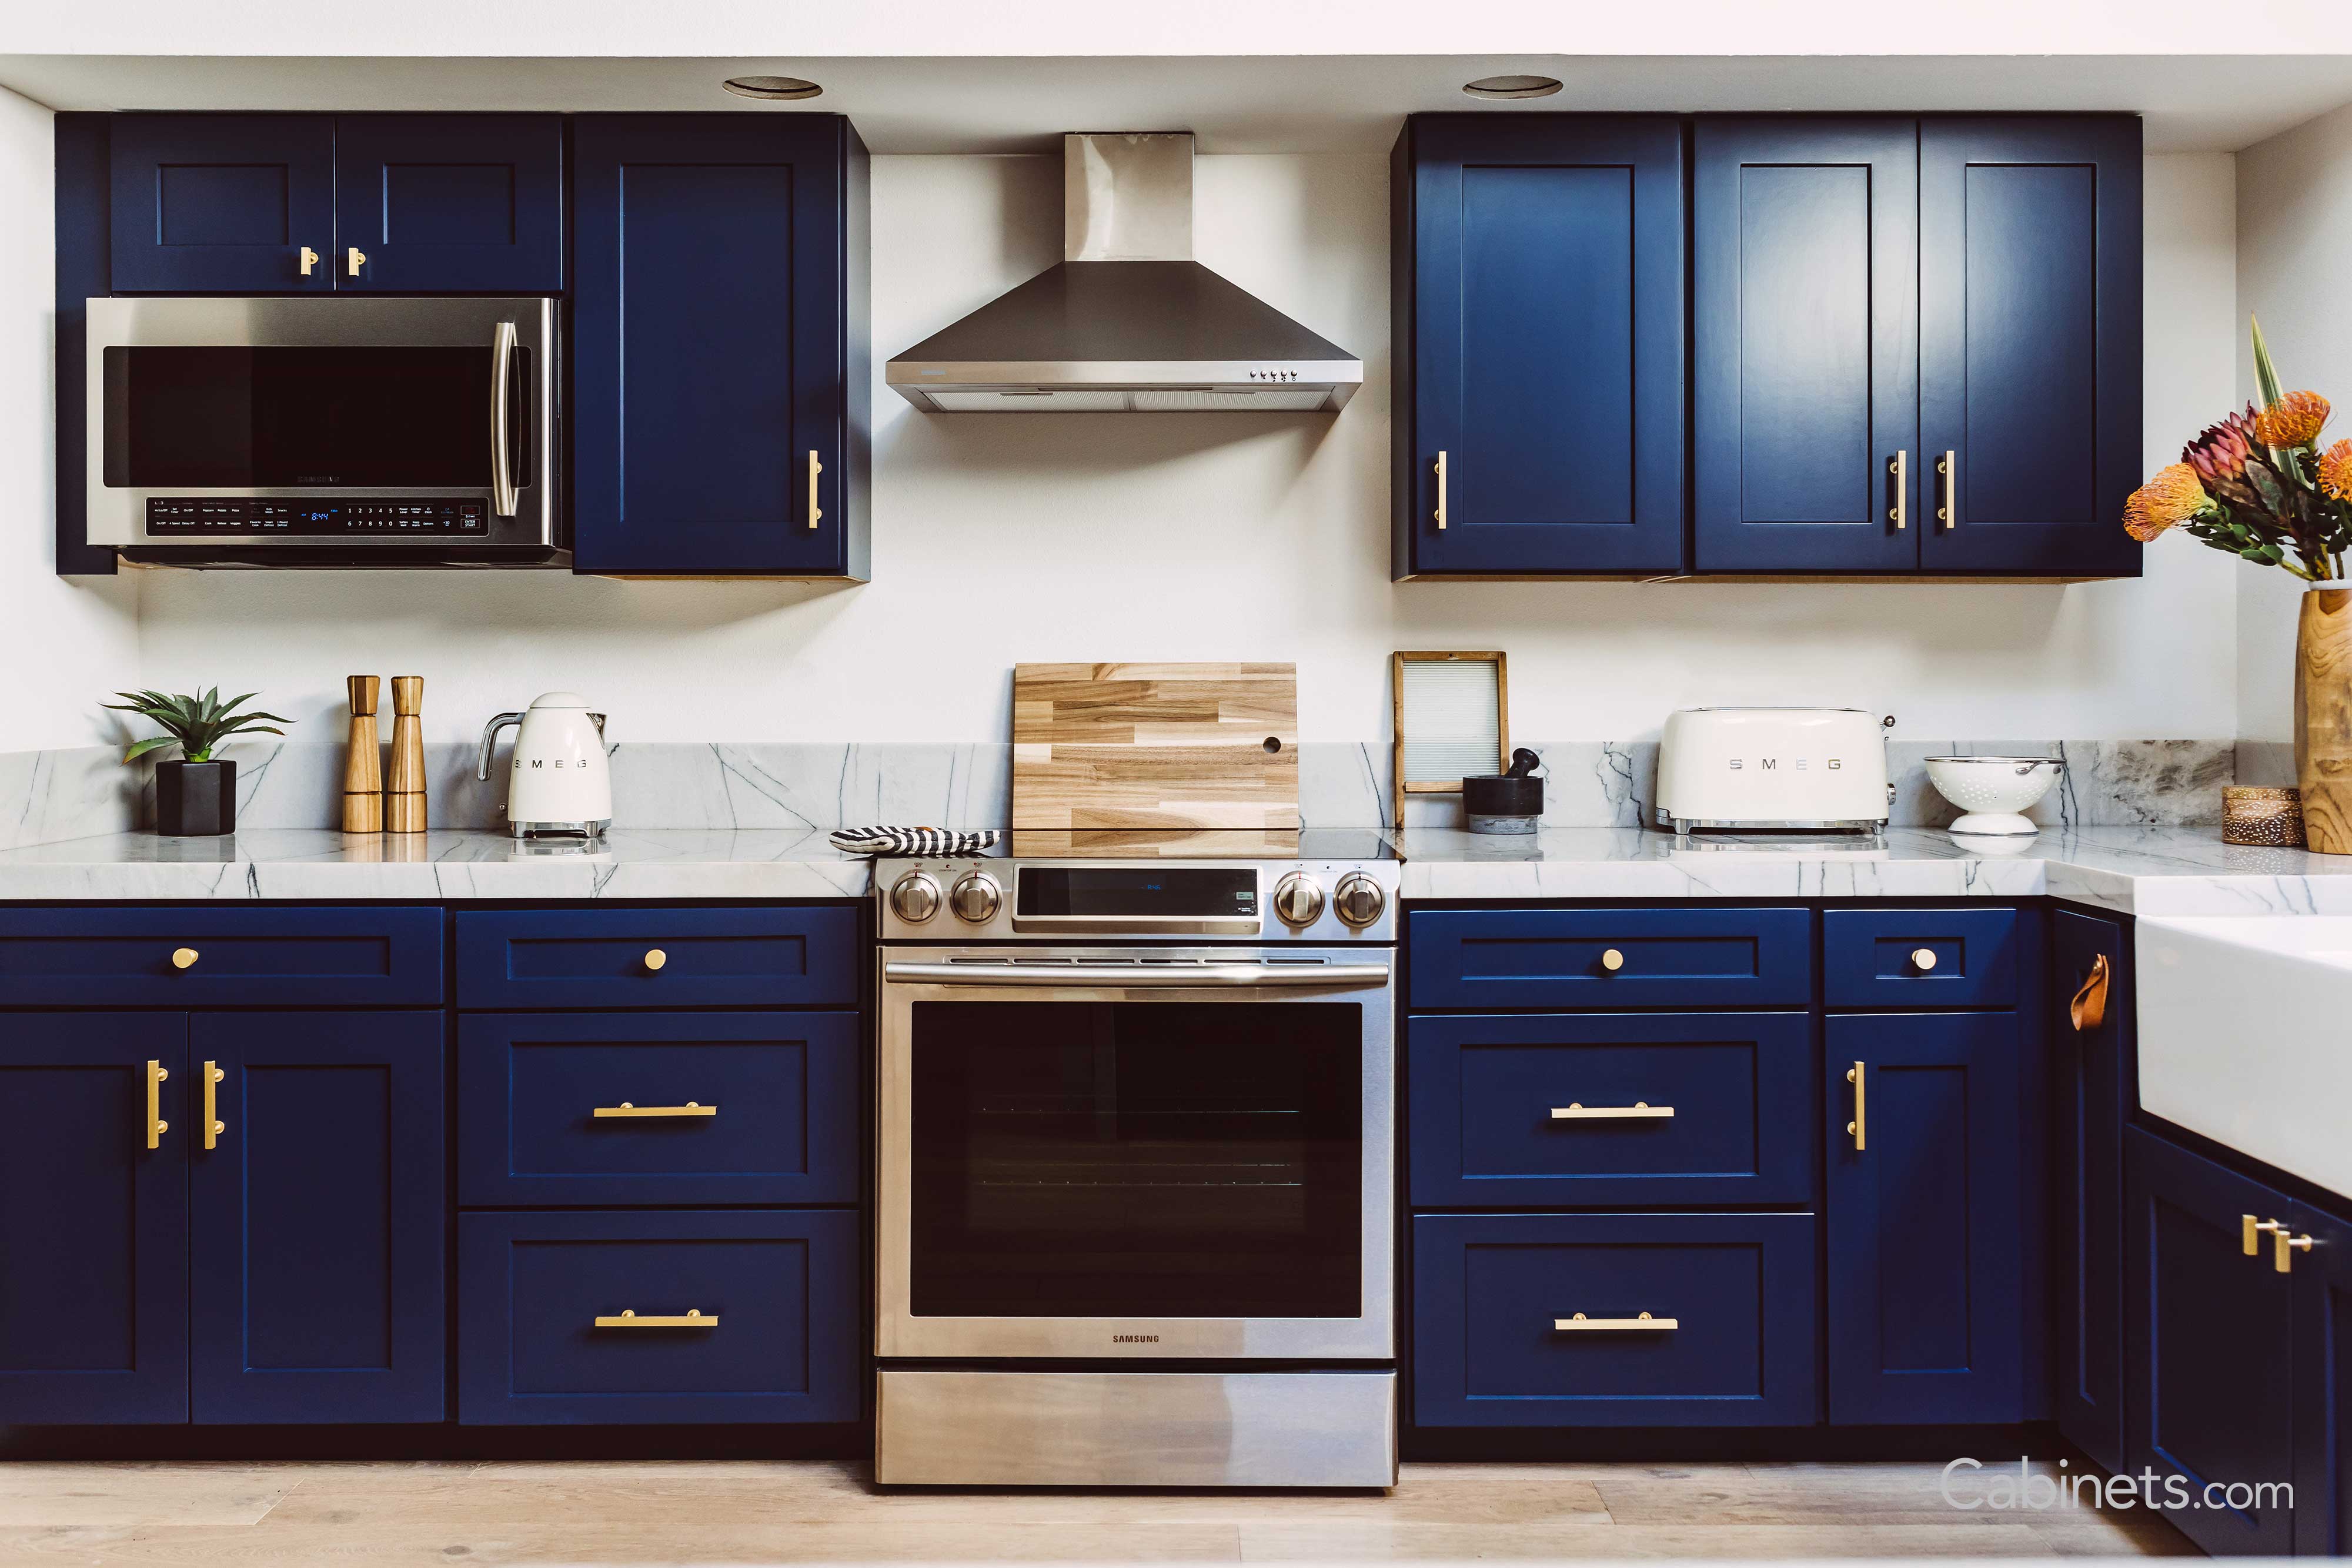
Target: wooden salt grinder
364	766
404	797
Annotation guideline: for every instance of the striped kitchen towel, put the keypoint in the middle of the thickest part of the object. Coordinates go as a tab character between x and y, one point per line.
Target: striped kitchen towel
931	841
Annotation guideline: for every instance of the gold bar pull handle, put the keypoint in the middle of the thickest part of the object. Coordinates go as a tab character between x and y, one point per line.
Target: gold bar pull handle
1859	1128
2288	1246
2088	1011
627	1108
308	258
2254	1230
1577	1111
628	1319
815	468
156	1126
1441	492
1948	484
1643	1324
1899	470
214	1126
354	260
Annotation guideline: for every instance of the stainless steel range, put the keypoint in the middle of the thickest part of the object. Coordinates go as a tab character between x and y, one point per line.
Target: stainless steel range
1137	1149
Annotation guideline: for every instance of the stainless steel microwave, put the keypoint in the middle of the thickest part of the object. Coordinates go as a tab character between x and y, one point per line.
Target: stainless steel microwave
324	432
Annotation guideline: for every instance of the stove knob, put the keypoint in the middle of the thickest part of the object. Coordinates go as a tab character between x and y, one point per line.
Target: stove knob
1359	899
975	897
915	898
1298	899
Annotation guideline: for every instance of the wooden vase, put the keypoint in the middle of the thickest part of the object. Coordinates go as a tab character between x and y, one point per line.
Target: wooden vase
2323	718
404	793
363	762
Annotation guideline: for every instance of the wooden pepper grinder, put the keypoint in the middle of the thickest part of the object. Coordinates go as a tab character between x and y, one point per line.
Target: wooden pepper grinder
364	766
404	797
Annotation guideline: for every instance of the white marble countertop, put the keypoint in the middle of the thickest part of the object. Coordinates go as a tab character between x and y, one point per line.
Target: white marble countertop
2153	871
2170	870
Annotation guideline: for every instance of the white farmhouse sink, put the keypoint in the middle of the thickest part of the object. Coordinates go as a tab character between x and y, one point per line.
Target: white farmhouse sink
2245	1035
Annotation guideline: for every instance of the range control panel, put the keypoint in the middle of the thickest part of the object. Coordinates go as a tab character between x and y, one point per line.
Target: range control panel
315	519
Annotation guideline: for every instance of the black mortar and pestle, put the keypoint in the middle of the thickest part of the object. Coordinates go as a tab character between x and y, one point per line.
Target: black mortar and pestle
1507	803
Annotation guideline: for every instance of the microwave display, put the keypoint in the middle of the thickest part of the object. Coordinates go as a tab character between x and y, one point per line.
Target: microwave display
349	417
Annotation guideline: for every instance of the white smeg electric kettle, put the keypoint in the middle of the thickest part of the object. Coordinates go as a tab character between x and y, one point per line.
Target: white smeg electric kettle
560	784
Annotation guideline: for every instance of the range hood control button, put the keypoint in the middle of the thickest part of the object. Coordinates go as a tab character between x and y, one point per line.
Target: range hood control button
915	898
1298	899
975	898
1359	899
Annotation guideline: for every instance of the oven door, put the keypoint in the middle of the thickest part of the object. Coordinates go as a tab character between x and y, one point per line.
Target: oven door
1131	1152
376	423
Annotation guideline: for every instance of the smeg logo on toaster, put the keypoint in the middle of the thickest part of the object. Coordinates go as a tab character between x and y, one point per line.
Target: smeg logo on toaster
1773	764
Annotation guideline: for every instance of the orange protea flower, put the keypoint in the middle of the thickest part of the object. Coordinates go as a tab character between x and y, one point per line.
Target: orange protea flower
2335	470
2174	496
2294	420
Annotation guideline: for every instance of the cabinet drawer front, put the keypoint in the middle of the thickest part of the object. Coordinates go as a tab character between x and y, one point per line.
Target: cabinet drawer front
738	1108
1561	957
657	958
1919	958
1491	1290
1667	1108
780	1290
242	957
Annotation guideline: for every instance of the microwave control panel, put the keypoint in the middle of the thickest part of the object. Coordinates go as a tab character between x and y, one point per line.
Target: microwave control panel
169	516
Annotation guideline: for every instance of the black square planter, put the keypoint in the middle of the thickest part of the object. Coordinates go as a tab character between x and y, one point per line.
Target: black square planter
195	798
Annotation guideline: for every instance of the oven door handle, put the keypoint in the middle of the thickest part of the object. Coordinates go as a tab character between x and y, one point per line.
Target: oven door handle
1122	977
505	494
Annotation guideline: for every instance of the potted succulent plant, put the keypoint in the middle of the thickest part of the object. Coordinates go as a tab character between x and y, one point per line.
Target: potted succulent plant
196	794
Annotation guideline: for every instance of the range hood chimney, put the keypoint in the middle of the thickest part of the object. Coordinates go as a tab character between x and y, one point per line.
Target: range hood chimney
1127	322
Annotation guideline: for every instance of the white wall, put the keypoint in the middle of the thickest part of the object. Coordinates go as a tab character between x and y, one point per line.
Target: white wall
62	645
1164	537
2294	272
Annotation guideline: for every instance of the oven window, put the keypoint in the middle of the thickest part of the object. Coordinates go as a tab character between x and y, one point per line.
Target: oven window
371	418
1138	1159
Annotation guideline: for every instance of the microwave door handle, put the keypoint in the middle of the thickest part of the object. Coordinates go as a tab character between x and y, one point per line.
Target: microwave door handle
504	499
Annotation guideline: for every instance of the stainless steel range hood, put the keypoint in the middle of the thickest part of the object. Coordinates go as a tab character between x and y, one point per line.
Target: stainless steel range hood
1128	322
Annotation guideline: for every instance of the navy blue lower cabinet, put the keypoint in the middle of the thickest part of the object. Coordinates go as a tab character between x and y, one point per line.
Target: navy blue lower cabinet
779	956
93	1219
1533	1319
1533	960
595	1318
321	1218
2322	1385
467	203
2210	1375
612	1109
1574	1108
2090	1103
1927	1299
1919	958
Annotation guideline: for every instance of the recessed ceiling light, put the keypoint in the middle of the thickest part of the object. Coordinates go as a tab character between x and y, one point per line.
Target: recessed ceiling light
1502	87
784	87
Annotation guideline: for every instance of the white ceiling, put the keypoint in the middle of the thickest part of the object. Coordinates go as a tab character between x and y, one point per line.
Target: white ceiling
1235	104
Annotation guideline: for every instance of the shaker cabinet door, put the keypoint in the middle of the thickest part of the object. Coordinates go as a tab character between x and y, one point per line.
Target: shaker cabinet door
93	1222
2029	343
223	203
710	344
2089	1106
1805	326
1543	254
2322	1385
321	1218
461	203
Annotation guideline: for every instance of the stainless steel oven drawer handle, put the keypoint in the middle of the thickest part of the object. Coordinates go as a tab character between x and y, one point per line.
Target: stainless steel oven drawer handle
505	496
1072	977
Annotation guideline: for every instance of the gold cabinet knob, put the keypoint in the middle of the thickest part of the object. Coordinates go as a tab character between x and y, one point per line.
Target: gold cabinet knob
183	957
655	959
1613	960
1923	958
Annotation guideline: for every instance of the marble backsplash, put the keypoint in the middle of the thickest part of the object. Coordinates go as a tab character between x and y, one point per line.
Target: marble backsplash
83	792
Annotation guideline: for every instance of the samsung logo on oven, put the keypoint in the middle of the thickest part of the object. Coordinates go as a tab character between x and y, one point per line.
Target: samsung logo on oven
1135	1339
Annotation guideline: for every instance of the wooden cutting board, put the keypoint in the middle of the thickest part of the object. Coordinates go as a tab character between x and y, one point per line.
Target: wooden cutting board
1155	746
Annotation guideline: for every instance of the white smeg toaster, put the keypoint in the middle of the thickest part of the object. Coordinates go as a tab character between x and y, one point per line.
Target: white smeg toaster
1773	768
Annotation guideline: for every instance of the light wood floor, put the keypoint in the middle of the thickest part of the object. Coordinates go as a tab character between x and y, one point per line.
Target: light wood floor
238	1515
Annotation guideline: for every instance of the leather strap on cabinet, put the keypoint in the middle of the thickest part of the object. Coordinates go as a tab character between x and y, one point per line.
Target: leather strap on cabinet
2089	1007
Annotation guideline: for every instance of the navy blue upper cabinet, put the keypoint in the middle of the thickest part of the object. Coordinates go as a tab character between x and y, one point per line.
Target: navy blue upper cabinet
93	1220
1926	1267
718	356
2028	342
449	204
320	1218
1805	366
1538	286
223	203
